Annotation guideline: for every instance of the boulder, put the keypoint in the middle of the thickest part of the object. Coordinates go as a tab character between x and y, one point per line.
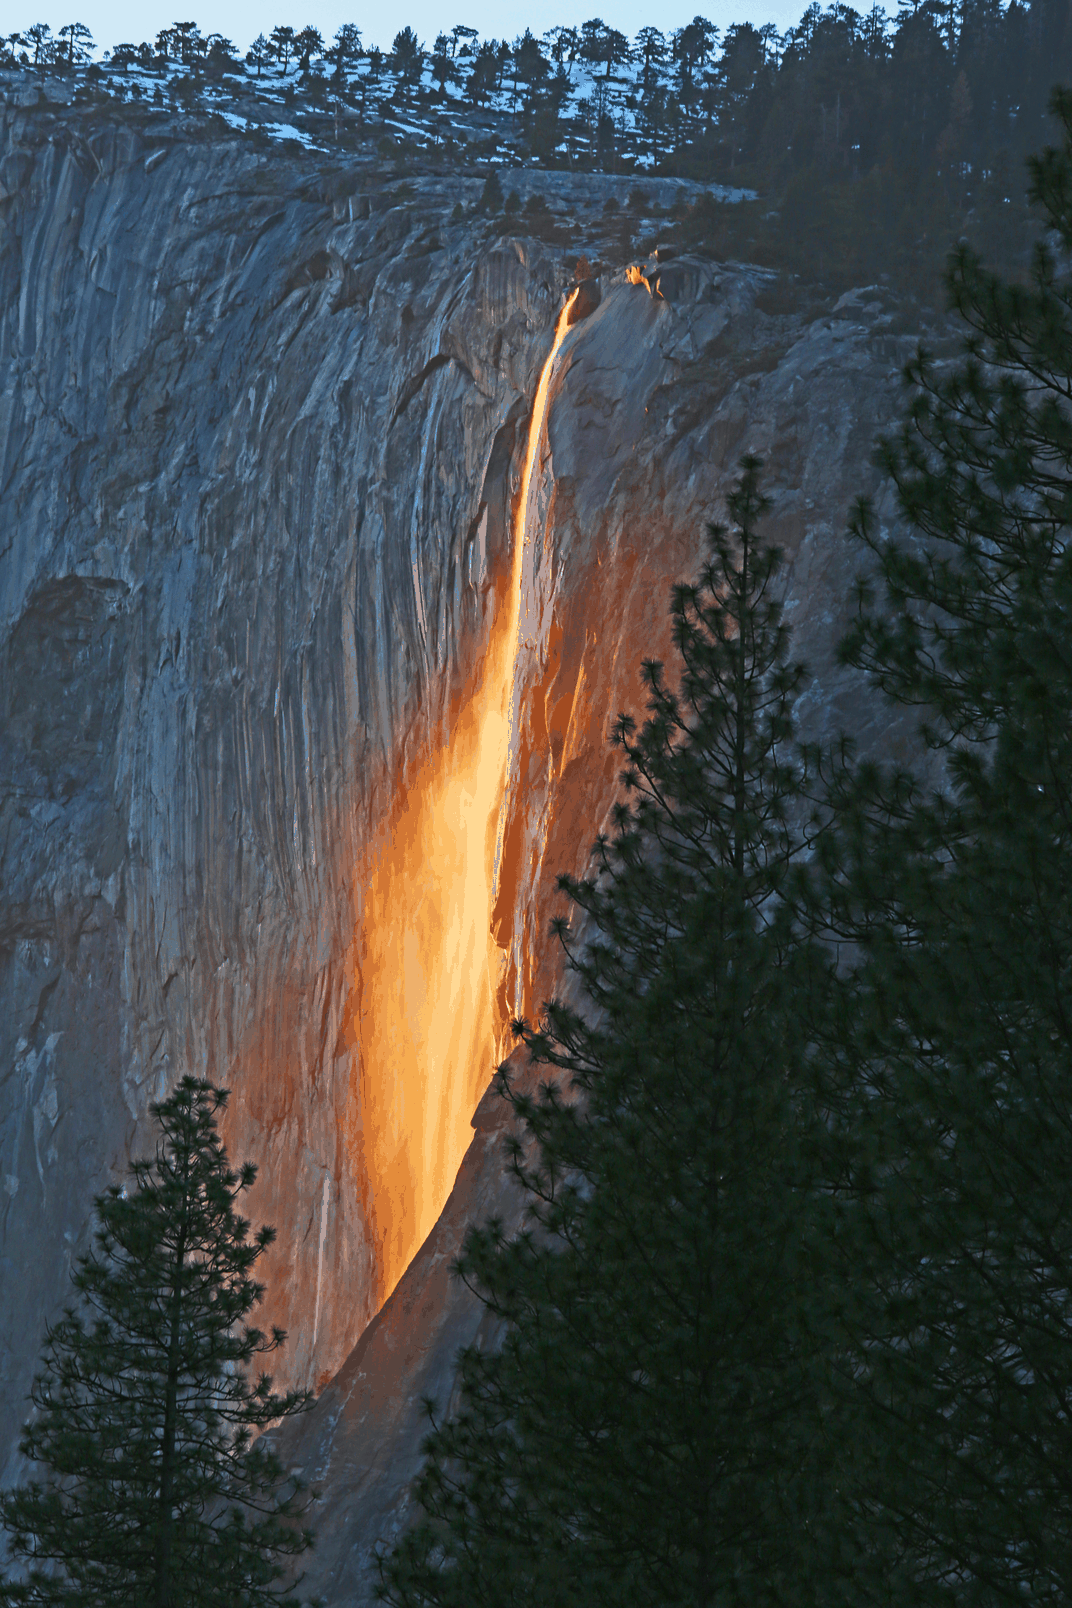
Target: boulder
585	302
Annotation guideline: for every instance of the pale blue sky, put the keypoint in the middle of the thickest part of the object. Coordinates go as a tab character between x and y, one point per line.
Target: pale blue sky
112	21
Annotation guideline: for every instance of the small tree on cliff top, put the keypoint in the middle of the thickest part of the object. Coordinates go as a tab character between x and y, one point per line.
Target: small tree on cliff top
153	1495
652	1428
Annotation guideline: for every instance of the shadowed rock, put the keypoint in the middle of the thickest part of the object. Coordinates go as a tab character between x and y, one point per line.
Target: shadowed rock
585	302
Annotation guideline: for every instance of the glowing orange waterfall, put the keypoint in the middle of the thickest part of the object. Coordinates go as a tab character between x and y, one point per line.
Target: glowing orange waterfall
429	968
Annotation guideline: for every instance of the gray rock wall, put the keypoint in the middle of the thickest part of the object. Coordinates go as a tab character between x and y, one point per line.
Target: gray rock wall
242	449
257	466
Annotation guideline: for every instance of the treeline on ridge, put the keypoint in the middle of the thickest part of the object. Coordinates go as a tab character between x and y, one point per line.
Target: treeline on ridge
871	143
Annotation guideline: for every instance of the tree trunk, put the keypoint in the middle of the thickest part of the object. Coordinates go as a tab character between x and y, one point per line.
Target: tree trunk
165	1519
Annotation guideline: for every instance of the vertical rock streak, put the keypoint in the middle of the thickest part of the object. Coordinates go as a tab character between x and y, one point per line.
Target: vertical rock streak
320	1255
429	966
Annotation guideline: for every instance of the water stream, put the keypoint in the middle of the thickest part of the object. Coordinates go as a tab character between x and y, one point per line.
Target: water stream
429	1032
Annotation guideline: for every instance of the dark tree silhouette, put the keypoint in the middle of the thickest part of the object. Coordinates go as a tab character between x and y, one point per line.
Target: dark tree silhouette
76	43
260	53
959	1044
281	41
307	44
443	69
144	1411
345	52
407	57
38	36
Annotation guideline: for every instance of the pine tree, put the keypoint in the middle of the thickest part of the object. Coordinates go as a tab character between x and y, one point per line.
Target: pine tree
652	1426
959	1039
152	1494
491	196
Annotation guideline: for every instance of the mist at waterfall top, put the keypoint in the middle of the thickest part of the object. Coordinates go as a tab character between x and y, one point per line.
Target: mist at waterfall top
113	21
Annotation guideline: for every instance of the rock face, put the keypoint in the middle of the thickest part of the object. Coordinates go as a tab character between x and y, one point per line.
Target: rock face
653	405
259	464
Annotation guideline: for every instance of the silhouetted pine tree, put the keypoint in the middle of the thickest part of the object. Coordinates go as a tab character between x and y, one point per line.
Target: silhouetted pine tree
152	1495
959	1043
652	1426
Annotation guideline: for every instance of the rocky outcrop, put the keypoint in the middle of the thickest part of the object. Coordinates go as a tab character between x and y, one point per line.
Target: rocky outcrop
584	302
259	448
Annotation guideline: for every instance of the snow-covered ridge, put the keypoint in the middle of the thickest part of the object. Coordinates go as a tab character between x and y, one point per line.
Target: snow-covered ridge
586	98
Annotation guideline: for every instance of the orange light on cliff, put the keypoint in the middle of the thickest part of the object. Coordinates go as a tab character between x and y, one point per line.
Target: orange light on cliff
428	1025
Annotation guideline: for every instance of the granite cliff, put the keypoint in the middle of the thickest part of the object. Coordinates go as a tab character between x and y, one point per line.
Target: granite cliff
262	430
